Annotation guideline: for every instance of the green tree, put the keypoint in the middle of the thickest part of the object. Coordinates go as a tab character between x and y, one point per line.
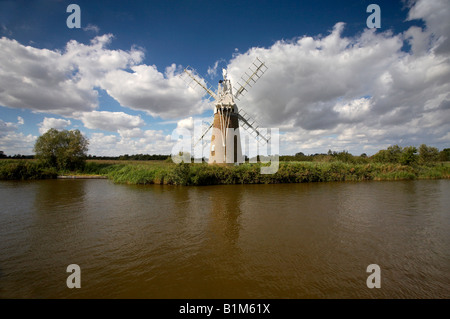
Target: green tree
64	150
391	155
380	156
344	156
394	153
444	155
428	154
408	156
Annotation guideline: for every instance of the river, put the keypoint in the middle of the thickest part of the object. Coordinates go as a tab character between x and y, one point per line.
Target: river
231	241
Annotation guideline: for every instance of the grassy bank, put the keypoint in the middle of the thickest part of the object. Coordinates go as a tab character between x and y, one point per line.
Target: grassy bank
25	169
161	172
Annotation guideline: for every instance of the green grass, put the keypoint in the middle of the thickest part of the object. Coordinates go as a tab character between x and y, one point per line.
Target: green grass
163	172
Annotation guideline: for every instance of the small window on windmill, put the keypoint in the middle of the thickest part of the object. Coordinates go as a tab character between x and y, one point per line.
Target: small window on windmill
213	148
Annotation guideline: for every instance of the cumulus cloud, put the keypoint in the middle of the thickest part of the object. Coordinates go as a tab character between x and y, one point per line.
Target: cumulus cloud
51	122
130	133
58	82
102	145
147	89
435	13
110	121
354	92
65	83
186	123
17	143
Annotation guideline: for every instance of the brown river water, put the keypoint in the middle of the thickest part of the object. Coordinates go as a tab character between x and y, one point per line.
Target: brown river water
234	241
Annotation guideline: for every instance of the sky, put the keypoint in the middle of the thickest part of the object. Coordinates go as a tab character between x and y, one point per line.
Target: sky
332	82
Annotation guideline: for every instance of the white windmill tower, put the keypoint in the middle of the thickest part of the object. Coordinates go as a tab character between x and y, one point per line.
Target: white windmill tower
225	138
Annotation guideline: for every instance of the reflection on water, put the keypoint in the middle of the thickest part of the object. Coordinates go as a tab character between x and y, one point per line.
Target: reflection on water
235	241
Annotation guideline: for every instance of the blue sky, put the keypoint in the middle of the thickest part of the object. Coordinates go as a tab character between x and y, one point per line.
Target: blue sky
332	82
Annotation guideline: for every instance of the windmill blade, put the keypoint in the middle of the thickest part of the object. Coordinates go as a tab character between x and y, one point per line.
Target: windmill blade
195	81
251	126
254	72
203	134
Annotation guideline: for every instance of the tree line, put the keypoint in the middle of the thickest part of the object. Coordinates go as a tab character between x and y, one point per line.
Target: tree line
134	157
409	155
67	150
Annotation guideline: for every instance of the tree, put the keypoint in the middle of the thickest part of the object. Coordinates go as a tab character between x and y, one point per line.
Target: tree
393	153
428	154
2	154
380	156
408	156
64	150
444	155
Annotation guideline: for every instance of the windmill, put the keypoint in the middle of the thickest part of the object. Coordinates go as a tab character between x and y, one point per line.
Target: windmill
225	138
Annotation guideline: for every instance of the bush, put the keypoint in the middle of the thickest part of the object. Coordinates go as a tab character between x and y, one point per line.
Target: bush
444	155
22	170
428	154
408	156
181	174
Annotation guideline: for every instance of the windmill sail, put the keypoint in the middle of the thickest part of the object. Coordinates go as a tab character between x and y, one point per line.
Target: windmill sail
195	81
203	134
251	126
254	72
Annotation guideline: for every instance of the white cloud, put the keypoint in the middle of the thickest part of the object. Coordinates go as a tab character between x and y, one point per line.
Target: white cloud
110	121
58	82
6	127
49	123
103	145
212	71
186	123
435	13
32	78
20	120
92	27
131	133
17	143
144	142
64	82
13	142
147	89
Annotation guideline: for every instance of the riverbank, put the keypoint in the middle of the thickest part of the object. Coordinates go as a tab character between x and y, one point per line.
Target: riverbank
288	172
162	172
81	177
